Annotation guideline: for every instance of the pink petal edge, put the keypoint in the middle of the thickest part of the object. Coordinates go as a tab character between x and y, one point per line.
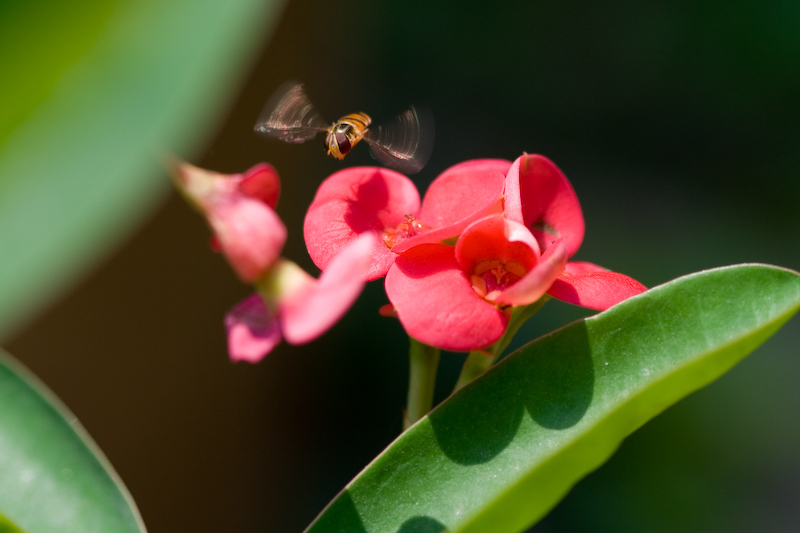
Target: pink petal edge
310	311
537	281
252	332
577	268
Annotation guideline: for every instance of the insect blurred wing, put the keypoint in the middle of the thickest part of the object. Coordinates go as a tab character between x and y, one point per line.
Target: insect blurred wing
404	144
290	116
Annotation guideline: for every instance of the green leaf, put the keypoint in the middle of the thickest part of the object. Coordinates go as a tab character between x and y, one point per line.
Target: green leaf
95	94
7	527
504	450
52	476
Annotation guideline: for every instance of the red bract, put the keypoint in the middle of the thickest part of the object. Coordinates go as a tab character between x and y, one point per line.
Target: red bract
593	286
387	204
239	209
299	308
538	195
459	298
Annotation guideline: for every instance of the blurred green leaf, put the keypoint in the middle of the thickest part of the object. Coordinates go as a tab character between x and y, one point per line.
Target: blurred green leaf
501	453
95	94
52	476
7	527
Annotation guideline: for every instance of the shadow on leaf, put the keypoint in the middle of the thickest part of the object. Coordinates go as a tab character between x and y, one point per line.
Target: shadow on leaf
422	524
342	515
559	378
552	379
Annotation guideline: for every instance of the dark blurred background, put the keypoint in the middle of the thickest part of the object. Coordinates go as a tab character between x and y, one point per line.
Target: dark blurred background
678	124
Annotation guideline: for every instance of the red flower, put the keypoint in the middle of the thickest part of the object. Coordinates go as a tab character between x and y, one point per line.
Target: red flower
386	203
239	209
459	298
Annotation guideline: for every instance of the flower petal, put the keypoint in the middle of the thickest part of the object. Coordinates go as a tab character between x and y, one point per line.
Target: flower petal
354	201
460	195
310	310
252	332
494	237
593	286
249	233
202	187
246	229
436	303
539	196
577	268
262	183
537	281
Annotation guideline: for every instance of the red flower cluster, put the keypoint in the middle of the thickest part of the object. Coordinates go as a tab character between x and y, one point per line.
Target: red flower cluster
489	235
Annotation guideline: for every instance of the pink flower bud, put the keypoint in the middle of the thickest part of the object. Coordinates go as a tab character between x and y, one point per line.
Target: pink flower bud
239	209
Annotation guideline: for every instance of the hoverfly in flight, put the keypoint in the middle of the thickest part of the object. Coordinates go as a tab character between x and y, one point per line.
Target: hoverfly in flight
404	144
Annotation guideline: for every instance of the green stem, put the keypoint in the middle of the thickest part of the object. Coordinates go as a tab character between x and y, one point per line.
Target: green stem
479	362
476	364
519	316
424	361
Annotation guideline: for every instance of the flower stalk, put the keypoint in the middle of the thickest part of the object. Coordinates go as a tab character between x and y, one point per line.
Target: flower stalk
475	364
423	364
479	361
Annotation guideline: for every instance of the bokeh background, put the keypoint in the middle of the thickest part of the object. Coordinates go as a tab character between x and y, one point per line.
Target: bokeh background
678	124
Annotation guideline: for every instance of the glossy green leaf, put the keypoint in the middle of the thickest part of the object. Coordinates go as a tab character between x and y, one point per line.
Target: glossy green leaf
504	450
95	94
53	478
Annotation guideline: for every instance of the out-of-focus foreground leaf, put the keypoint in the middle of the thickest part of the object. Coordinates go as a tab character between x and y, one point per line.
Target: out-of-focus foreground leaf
503	451
94	95
7	527
52	476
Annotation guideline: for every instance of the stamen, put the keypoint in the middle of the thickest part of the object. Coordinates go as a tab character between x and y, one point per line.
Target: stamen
492	276
406	229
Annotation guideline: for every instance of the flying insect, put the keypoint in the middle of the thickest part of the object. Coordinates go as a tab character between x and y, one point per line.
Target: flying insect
404	144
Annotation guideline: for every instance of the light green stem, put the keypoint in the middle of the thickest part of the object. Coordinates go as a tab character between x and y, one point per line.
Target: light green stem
476	364
519	316
479	362
424	361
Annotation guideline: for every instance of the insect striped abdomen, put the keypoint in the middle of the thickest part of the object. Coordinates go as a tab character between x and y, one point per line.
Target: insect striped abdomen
345	133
